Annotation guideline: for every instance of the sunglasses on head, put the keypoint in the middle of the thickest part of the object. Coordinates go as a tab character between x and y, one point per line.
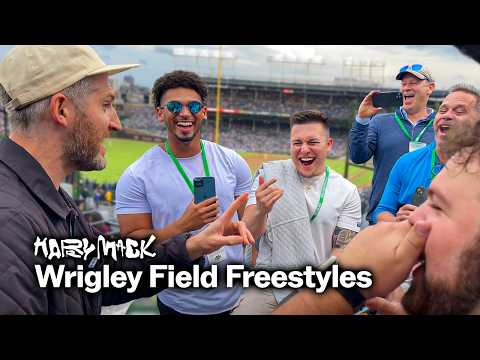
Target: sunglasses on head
175	107
414	67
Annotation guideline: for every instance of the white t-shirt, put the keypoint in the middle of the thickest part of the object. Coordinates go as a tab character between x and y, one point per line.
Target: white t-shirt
153	185
341	208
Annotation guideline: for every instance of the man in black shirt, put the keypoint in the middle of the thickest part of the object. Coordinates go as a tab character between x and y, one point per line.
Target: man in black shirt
60	107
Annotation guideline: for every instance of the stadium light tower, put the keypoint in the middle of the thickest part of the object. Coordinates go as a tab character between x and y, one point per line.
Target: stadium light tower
296	62
209	55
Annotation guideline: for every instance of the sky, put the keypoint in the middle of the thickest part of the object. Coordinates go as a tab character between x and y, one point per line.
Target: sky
262	62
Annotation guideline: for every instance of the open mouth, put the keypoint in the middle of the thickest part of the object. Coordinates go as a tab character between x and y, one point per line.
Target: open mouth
306	161
408	97
185	125
444	129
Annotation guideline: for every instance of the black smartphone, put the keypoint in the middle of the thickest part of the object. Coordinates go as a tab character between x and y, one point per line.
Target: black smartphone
420	196
203	188
387	99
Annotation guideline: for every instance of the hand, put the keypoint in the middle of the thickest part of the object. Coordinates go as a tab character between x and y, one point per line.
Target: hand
198	215
404	212
214	236
266	195
391	305
388	250
366	108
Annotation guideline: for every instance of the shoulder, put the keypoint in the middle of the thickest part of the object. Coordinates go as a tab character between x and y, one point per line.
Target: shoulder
383	119
341	182
413	157
144	163
220	150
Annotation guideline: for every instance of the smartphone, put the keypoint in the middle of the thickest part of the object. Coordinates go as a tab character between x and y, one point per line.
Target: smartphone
388	99
203	188
420	196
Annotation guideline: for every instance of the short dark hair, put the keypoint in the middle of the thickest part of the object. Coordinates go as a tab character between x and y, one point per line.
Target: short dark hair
179	79
308	117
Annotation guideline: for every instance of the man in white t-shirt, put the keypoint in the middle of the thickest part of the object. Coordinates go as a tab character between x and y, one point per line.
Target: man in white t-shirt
155	193
316	213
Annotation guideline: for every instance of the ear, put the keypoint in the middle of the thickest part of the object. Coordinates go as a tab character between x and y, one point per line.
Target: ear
431	87
159	113
61	111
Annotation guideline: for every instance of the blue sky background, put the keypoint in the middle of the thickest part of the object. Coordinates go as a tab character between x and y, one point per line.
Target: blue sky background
447	64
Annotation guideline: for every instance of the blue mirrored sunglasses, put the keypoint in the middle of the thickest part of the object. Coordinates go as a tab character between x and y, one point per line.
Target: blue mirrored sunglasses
176	107
414	67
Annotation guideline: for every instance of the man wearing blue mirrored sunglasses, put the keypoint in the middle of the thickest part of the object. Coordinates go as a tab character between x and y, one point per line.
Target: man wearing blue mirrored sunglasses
155	194
387	136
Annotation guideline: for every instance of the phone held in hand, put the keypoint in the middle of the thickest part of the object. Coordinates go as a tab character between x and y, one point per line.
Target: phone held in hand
387	99
420	196
203	188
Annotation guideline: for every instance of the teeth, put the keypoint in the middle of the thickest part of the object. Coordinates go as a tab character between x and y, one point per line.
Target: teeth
306	159
184	123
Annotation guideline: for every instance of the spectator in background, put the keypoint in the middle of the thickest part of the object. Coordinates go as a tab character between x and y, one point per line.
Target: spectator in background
388	136
414	171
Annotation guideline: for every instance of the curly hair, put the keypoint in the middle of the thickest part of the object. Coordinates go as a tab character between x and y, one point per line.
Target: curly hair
179	79
465	141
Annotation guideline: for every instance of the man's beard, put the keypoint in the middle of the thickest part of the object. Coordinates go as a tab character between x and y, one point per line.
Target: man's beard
81	148
435	298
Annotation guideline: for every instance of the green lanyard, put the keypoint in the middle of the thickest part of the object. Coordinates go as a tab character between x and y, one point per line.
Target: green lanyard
180	168
434	153
400	123
322	194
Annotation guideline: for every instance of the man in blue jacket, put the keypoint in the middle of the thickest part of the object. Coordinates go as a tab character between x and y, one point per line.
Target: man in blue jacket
388	136
414	171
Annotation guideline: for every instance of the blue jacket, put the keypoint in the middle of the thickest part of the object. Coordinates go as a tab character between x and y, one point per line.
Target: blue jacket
382	138
409	172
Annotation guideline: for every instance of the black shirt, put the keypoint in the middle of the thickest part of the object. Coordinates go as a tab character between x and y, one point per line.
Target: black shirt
31	206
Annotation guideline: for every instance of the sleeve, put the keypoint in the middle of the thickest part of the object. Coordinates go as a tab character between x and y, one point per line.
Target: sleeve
351	215
252	200
20	292
172	252
389	201
131	195
243	175
363	141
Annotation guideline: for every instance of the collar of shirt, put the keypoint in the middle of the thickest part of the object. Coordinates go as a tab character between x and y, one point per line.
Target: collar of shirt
32	174
405	115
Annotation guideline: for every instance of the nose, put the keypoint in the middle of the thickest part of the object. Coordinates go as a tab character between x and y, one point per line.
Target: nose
185	111
304	148
418	214
115	123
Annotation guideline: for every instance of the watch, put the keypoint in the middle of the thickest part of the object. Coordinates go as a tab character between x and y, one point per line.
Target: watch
352	295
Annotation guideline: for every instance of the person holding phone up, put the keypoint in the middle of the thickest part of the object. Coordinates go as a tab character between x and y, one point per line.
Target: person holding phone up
412	174
387	136
155	195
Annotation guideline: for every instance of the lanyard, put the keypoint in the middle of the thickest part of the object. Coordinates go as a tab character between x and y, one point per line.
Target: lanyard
180	168
322	194
432	173
400	123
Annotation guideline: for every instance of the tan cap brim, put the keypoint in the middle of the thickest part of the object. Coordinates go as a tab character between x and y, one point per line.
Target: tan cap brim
113	69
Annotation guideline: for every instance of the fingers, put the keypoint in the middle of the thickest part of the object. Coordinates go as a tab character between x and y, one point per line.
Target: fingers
208	202
264	185
385	307
269	200
232	209
408	207
261	180
412	245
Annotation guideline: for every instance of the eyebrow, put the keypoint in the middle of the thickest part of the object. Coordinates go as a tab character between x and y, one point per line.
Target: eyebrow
438	195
